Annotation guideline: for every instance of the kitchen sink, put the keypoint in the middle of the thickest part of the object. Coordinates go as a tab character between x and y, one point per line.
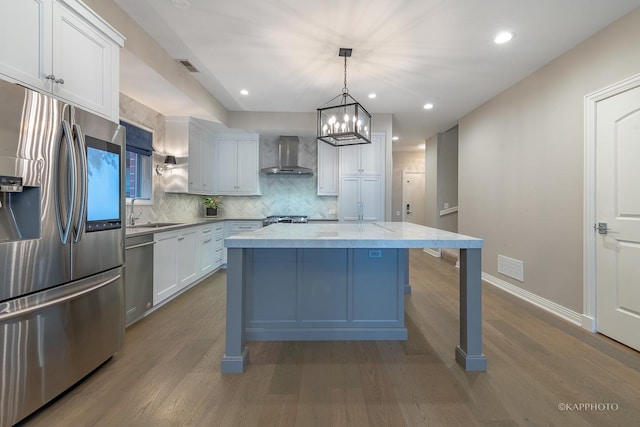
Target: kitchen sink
154	225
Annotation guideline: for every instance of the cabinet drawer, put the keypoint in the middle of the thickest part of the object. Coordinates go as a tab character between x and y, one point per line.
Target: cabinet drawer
236	227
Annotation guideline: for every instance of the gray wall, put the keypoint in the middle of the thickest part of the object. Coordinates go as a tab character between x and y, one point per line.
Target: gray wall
431	181
448	178
521	164
441	164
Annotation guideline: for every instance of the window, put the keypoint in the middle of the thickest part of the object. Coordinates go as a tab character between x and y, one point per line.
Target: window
138	162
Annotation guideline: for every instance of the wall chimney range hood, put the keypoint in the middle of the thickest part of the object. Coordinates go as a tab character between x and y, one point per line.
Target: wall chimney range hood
288	159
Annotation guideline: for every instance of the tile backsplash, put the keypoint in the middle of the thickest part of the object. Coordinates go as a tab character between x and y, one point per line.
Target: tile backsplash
281	194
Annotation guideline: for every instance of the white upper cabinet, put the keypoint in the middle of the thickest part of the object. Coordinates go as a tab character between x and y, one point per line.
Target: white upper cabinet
61	47
192	144
25	33
364	159
327	169
236	169
362	173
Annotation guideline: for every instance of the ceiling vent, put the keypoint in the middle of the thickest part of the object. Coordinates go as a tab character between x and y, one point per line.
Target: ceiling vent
188	65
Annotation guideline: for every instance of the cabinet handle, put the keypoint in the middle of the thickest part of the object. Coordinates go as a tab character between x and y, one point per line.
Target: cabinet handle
52	77
204	242
180	239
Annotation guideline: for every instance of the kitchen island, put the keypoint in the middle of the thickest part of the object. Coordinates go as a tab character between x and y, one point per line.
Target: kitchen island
338	282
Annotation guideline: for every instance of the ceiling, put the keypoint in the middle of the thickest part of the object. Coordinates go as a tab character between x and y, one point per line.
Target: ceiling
407	52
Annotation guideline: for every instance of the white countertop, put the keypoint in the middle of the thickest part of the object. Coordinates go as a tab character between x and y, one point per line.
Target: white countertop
347	235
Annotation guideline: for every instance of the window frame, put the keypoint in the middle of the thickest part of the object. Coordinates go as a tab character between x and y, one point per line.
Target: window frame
148	179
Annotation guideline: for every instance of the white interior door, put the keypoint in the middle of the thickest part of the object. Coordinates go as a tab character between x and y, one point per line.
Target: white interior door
413	203
618	216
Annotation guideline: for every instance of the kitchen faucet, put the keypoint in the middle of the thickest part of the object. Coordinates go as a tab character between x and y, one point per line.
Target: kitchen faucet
132	217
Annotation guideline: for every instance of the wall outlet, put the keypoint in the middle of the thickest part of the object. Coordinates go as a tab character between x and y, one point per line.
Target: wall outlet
332	211
446	205
397	213
375	253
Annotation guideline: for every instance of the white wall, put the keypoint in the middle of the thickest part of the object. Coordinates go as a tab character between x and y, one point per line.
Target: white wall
521	164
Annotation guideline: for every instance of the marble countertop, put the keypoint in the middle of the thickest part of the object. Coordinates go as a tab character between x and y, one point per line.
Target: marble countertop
346	235
141	227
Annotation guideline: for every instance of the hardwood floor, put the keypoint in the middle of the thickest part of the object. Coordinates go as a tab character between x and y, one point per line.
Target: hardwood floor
168	373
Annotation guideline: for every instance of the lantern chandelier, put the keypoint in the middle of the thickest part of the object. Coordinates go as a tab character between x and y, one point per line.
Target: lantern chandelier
346	123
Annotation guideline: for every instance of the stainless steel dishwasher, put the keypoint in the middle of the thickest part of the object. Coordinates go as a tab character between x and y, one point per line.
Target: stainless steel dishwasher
138	276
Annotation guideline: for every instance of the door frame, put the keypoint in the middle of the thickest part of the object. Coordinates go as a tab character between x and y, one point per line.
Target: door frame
589	316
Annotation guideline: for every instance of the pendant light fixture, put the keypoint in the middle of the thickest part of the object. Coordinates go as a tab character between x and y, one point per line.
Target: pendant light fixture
346	123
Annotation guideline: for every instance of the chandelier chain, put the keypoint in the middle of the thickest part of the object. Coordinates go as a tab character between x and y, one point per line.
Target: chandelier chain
345	91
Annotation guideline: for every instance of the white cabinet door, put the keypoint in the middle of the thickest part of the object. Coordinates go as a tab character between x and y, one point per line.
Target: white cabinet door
165	269
207	163
364	159
371	155
237	169
349	198
187	256
247	166
195	159
226	159
350	160
370	193
207	250
193	142
25	40
82	57
365	190
327	169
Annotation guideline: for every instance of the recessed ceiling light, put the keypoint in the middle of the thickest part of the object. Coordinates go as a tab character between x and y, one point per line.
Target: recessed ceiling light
372	95
244	92
395	138
503	37
428	106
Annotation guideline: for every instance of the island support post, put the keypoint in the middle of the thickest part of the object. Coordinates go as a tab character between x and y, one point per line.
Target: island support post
469	352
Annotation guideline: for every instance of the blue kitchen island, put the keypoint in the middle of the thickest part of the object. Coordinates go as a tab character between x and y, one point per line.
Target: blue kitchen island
338	281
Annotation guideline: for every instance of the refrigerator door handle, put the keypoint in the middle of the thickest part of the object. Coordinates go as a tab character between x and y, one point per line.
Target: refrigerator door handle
64	229
7	313
78	138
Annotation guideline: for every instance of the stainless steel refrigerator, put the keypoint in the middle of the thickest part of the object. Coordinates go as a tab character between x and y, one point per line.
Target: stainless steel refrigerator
61	247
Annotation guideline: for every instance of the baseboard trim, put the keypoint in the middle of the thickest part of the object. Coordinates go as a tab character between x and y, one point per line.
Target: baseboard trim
545	304
436	253
589	323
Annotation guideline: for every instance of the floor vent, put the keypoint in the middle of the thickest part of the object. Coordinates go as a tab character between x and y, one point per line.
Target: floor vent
188	65
511	267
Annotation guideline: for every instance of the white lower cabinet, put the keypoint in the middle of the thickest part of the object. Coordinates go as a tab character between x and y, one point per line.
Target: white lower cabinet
165	272
187	260
211	240
183	256
218	245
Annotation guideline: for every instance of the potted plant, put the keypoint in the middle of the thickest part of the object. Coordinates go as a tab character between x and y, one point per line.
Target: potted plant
211	205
